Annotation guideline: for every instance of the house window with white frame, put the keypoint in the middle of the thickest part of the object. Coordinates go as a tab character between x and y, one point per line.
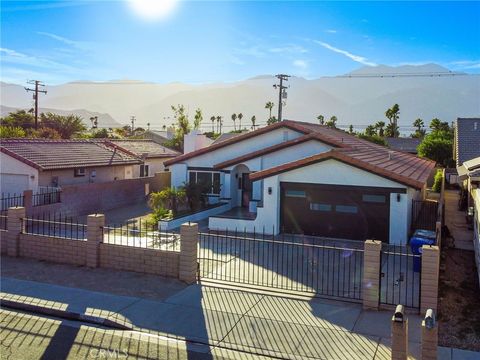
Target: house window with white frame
210	179
144	170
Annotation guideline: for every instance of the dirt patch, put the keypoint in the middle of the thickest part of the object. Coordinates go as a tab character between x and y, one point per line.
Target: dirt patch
459	293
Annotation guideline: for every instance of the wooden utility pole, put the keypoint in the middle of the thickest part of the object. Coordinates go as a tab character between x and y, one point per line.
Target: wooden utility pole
282	93
132	118
37	83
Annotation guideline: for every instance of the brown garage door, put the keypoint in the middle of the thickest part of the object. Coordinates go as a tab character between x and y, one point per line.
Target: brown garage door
336	211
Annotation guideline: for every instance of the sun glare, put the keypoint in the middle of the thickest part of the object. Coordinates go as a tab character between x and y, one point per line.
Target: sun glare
153	9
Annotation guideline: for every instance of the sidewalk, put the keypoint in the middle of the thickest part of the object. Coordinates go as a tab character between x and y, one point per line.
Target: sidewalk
231	319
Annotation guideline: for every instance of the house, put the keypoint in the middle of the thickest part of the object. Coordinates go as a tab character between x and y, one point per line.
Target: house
403	144
466	139
158	136
305	178
152	153
27	164
226	136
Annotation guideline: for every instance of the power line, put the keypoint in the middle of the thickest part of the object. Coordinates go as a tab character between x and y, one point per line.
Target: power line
37	83
393	75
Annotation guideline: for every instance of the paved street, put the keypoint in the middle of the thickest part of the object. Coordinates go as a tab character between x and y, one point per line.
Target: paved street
288	328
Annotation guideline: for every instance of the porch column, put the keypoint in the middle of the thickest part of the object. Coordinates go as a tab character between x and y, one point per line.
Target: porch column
226	188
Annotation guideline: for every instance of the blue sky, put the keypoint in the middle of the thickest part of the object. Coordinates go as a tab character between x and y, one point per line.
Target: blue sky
201	42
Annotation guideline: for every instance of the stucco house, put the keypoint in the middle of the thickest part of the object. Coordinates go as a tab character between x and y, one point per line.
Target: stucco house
305	178
27	164
152	153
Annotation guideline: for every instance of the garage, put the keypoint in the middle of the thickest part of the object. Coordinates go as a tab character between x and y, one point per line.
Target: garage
13	183
336	211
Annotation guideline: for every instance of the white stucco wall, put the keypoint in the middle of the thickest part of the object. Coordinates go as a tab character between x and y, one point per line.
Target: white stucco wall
327	172
179	174
11	168
155	165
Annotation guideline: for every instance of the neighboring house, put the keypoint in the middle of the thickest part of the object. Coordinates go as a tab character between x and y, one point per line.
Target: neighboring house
159	136
27	164
466	139
408	145
152	153
226	136
305	178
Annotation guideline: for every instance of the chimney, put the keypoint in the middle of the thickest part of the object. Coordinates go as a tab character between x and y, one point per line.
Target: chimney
390	155
194	141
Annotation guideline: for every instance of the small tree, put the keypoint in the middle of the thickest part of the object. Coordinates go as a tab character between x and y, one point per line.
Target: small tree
420	130
212	119
195	194
167	199
234	118
332	123
269	105
321	119
197	119
350	129
240	117
272	120
437	147
11	132
380	128
393	114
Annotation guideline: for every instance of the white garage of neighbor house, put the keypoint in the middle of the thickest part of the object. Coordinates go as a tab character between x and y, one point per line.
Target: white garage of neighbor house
28	164
308	179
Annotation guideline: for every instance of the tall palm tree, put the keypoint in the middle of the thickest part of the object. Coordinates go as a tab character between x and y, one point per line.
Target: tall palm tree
419	124
148	126
234	117
379	126
269	105
254	119
219	124
240	117
212	119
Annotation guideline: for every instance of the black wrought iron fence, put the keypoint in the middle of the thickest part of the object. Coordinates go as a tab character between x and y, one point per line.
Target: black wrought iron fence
46	198
288	262
55	225
400	275
10	200
141	234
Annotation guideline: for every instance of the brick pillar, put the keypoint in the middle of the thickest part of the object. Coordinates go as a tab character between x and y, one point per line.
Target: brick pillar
28	201
15	228
95	224
188	252
429	337
399	339
371	274
429	279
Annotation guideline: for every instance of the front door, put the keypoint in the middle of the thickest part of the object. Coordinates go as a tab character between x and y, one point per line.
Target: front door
246	190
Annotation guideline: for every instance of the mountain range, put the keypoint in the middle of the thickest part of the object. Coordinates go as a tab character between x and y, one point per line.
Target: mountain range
358	98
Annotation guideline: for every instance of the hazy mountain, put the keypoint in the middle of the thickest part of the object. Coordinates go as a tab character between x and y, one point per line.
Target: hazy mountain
356	98
105	120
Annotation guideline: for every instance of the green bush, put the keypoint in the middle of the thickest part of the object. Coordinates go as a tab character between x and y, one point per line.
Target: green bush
11	132
437	181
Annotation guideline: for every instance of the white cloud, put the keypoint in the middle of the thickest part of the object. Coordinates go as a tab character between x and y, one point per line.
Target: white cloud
467	64
331	31
254	51
356	58
290	49
301	64
14	57
82	45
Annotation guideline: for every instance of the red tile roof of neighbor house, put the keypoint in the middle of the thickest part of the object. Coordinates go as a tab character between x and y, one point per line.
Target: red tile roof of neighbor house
398	166
141	147
47	154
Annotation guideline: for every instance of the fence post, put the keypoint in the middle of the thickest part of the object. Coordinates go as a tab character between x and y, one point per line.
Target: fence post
28	201
429	279
188	252
15	228
371	274
438	233
95	224
429	336
399	334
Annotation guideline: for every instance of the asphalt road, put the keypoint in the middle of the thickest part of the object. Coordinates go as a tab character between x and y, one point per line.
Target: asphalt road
29	337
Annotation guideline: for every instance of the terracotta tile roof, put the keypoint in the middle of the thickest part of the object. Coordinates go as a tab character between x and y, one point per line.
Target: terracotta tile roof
147	147
46	154
400	167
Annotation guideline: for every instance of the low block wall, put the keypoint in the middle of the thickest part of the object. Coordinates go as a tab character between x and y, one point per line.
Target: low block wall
65	251
150	261
3	242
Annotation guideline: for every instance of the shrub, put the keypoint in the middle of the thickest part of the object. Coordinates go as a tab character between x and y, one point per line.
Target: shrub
437	181
195	194
11	132
168	199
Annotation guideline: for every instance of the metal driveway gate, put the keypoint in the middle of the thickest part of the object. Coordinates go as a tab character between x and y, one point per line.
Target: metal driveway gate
400	274
324	267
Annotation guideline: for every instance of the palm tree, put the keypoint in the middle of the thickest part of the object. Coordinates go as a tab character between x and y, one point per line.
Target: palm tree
240	117
148	126
379	126
219	124
212	119
269	105
393	114
321	119
197	119
254	119
164	127
332	122
234	117
418	123
420	131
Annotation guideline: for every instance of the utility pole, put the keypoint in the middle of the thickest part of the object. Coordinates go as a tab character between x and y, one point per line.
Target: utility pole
282	92
132	118
37	83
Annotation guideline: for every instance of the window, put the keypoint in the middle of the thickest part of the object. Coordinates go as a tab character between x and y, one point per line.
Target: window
295	193
346	209
374	198
79	172
207	178
320	207
144	170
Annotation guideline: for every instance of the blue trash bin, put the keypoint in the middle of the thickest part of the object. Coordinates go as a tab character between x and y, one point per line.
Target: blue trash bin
420	238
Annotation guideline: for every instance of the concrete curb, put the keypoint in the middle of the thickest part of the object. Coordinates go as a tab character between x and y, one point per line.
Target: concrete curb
64	314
